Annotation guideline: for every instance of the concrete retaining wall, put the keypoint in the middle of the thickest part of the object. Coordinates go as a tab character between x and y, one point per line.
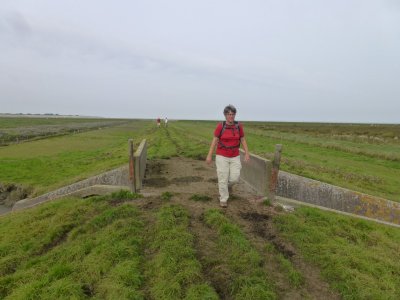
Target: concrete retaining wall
330	196
140	158
256	173
118	177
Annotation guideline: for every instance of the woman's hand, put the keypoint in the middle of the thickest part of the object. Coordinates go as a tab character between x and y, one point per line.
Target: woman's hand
246	157
209	159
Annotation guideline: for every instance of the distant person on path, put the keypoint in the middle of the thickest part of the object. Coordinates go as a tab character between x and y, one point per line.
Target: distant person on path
158	122
166	122
227	137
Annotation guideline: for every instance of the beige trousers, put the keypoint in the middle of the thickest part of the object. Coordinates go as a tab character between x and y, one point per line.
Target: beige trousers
228	172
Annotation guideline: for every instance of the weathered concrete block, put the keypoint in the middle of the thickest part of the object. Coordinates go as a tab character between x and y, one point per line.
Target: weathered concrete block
256	173
334	197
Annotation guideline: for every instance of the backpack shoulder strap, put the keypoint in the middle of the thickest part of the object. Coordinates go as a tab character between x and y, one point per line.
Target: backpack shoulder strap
222	130
237	124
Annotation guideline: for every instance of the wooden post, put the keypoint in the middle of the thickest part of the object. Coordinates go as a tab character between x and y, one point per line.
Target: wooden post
131	167
275	170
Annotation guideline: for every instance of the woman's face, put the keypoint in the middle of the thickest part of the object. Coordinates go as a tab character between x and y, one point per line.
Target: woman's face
230	117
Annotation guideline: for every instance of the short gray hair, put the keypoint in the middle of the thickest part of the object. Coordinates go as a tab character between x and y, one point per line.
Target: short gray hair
229	108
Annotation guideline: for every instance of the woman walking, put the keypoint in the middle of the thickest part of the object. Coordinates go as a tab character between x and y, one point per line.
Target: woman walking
227	137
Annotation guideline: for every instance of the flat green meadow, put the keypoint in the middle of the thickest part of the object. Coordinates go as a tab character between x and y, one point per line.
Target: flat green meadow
364	158
127	246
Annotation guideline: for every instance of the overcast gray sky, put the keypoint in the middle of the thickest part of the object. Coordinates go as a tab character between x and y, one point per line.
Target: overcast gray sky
309	60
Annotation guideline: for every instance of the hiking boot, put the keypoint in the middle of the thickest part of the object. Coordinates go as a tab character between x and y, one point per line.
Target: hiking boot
223	204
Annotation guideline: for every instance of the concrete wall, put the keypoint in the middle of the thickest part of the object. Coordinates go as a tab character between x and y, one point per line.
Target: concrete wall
140	158
118	177
256	173
330	196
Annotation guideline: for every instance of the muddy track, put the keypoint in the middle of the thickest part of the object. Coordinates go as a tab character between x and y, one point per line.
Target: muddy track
174	142
185	177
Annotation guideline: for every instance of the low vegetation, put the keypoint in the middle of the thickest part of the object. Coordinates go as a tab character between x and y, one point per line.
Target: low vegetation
295	277
167	196
202	198
359	258
111	247
174	271
247	278
72	249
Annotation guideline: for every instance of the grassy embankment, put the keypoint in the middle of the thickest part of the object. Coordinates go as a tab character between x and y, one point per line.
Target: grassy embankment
97	249
72	249
360	259
51	163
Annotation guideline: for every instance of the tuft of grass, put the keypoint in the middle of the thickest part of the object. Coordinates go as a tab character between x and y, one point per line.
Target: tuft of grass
166	196
359	258
174	272
202	198
125	194
247	278
267	202
201	291
119	197
295	277
278	208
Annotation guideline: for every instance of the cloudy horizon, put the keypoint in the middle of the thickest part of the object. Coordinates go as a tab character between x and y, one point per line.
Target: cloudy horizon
307	61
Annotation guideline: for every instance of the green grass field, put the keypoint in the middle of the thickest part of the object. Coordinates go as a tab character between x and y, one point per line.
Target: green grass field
20	129
364	158
113	247
69	158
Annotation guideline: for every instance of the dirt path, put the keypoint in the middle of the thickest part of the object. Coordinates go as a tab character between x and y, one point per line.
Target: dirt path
184	177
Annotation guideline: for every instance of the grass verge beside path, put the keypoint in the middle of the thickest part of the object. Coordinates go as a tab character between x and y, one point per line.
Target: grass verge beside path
174	272
359	259
246	277
357	172
72	249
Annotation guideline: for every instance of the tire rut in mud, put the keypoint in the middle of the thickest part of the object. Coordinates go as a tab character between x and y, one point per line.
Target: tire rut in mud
207	254
259	228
